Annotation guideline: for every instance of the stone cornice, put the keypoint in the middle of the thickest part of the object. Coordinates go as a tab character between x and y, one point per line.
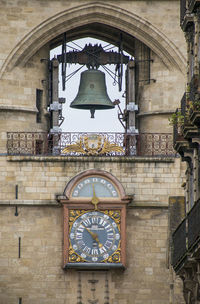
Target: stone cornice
120	159
155	113
18	108
54	203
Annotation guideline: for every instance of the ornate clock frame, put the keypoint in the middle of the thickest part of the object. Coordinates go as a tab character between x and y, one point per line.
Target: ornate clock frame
105	205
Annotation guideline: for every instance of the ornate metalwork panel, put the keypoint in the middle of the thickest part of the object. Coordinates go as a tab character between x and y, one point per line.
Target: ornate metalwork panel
90	144
150	144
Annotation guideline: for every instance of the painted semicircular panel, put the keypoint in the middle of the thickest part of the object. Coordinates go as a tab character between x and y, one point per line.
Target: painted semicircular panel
95	185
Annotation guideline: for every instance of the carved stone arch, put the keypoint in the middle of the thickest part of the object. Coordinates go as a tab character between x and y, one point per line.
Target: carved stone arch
95	172
91	13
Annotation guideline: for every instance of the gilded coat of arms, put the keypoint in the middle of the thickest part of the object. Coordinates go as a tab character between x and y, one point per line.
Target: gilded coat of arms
93	145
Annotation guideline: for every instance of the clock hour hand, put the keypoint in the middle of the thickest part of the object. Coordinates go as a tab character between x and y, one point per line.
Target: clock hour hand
94	236
97	240
95	199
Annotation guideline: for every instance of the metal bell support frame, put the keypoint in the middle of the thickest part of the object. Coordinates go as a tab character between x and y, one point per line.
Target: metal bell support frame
92	94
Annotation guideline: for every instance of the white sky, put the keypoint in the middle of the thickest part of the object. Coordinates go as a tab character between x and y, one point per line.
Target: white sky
79	120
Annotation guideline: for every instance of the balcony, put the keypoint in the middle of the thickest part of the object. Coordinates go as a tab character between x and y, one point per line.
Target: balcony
188	129
194	101
186	239
180	144
186	253
184	128
94	144
194	226
179	244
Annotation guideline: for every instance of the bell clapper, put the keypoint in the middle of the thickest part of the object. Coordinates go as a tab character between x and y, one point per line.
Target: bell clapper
92	111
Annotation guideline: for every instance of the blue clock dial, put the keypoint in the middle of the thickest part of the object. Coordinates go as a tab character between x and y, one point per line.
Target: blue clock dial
94	236
102	186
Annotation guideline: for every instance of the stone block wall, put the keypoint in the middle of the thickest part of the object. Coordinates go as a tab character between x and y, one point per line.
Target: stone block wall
29	27
38	276
151	180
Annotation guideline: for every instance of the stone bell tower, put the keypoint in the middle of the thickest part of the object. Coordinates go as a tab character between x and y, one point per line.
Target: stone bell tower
84	217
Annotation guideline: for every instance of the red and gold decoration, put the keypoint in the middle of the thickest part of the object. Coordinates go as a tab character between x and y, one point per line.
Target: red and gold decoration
94	206
93	145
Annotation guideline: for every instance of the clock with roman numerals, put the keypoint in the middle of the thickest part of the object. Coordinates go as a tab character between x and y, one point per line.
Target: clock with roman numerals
94	221
95	236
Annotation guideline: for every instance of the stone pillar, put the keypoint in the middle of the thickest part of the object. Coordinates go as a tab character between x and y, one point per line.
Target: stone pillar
55	106
131	107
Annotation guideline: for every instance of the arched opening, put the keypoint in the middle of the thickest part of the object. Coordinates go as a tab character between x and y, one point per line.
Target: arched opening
99	31
78	120
107	22
134	49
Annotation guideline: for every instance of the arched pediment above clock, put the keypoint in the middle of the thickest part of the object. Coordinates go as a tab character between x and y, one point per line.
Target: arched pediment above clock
92	182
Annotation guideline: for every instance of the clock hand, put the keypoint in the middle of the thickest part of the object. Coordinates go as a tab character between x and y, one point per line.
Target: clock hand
97	240
94	236
95	199
90	232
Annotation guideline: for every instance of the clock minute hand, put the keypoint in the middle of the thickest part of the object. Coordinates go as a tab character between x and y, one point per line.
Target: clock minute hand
94	236
91	233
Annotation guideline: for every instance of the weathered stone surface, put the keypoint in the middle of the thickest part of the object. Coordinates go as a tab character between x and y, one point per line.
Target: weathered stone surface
27	27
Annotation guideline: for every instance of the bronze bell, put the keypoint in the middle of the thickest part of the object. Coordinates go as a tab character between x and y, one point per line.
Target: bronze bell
92	94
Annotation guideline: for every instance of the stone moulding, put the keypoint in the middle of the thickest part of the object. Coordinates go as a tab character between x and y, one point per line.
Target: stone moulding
55	203
51	203
18	108
90	159
86	14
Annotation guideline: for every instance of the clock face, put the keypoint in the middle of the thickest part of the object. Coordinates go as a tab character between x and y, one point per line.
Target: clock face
101	186
95	237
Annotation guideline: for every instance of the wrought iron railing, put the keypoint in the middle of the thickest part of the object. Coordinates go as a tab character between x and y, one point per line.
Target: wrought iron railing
101	144
194	94
194	225
183	106
179	243
186	236
153	144
185	111
30	143
177	122
194	88
175	132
